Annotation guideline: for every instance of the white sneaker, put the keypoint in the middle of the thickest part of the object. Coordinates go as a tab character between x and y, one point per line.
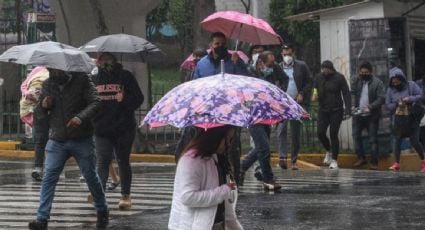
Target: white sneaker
333	165
328	158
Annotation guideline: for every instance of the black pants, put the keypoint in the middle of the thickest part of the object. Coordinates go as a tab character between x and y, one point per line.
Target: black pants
234	155
422	135
41	136
121	146
371	124
414	141
332	120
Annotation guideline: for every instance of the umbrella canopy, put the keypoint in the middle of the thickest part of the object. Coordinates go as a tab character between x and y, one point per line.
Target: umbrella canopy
189	65
224	99
128	47
49	54
243	27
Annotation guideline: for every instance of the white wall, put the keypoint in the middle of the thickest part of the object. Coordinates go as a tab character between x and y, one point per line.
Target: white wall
77	24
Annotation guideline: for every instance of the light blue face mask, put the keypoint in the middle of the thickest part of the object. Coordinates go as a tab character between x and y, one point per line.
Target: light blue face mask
267	71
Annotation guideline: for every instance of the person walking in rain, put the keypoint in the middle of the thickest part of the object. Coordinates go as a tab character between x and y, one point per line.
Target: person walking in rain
210	65
333	93
267	70
368	95
115	125
202	196
299	88
400	94
70	101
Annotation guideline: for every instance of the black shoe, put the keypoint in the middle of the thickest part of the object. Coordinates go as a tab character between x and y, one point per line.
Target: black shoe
36	175
102	219
282	163
112	186
38	225
258	175
271	185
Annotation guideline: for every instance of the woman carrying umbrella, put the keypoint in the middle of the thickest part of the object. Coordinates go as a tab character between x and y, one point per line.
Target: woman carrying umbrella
202	197
115	125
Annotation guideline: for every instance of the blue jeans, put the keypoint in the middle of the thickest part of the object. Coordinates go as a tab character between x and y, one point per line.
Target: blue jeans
282	131
57	153
261	151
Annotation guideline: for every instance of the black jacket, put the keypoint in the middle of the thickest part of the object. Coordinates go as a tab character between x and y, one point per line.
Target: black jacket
116	117
376	93
303	80
332	90
78	98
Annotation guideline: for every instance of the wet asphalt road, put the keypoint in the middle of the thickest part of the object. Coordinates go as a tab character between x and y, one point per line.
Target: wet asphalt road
310	199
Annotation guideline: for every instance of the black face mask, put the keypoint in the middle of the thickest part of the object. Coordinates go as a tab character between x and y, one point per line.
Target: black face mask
366	77
221	52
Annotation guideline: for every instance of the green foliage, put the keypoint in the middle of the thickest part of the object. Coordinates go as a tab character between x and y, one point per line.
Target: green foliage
156	18
180	15
300	33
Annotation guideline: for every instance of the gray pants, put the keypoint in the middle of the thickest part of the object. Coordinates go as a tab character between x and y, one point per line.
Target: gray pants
282	135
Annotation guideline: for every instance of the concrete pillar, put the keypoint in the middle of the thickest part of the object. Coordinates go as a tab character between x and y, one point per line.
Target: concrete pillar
79	21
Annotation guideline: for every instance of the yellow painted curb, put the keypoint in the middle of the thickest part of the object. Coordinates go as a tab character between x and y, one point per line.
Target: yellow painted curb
8	145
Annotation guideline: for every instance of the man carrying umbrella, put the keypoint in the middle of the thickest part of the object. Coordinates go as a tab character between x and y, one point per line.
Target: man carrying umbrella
71	101
210	65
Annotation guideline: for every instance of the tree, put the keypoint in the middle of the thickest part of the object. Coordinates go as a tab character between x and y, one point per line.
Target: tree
180	15
202	9
304	35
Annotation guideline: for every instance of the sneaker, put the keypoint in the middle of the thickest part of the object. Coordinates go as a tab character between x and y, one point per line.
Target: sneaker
90	198
359	162
82	179
112	186
125	202
328	158
271	185
102	219
422	165
395	167
36	174
258	175
294	166
38	225
333	165
282	163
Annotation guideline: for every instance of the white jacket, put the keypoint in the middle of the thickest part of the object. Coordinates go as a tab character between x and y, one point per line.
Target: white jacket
197	194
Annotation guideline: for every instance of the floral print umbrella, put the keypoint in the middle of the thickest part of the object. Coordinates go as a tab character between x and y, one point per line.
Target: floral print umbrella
224	99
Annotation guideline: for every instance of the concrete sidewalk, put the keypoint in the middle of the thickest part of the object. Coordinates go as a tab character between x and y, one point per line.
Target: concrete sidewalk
409	161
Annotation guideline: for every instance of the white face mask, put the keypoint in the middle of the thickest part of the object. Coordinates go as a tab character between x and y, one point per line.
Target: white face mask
287	59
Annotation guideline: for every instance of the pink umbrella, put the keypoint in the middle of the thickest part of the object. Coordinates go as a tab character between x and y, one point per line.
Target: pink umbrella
243	27
189	65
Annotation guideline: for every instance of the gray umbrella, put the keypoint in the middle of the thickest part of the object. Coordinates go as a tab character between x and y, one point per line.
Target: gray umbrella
49	54
124	46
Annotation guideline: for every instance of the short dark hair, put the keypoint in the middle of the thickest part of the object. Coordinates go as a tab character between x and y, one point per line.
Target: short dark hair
217	35
200	52
264	56
253	47
287	46
366	65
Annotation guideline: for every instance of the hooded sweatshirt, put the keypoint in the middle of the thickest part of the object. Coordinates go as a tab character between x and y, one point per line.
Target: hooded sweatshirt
116	117
408	89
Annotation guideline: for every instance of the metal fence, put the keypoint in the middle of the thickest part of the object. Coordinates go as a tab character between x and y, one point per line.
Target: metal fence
164	139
